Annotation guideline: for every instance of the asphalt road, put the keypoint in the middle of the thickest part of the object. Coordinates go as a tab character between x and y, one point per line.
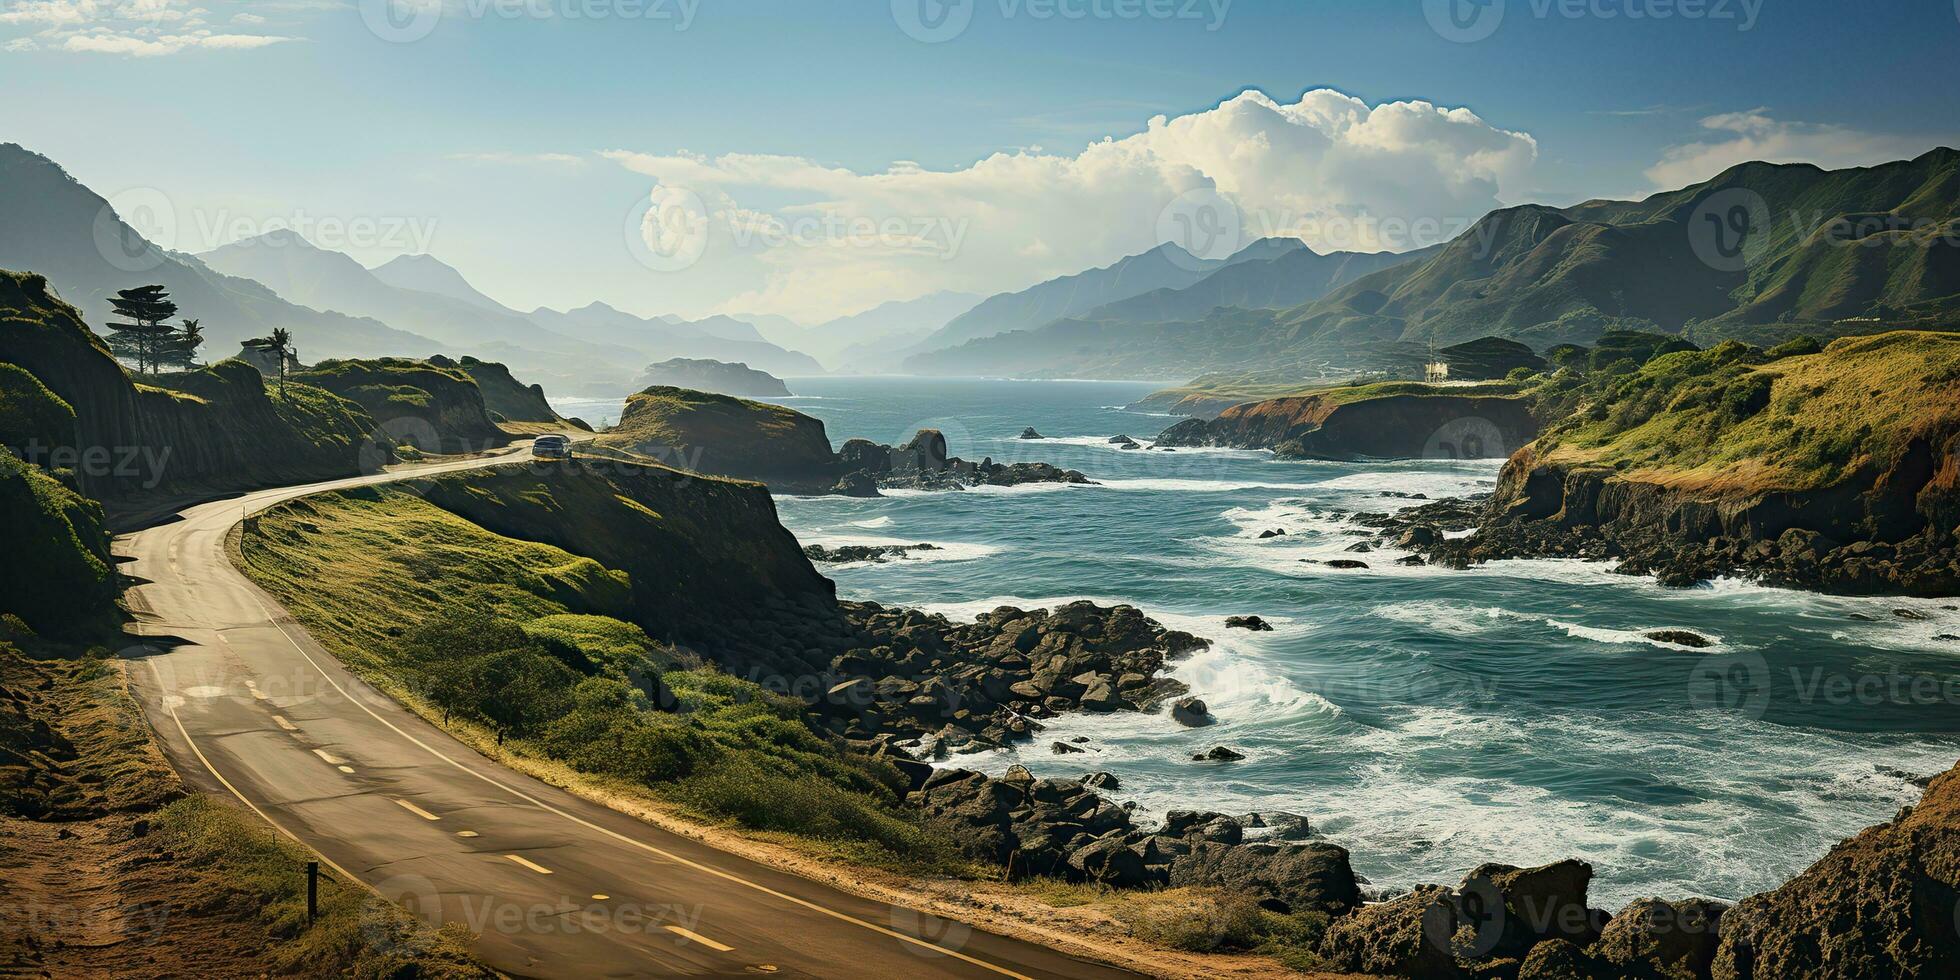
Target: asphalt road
249	706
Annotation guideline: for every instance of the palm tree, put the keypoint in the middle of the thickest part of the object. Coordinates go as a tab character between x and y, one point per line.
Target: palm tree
180	348
280	345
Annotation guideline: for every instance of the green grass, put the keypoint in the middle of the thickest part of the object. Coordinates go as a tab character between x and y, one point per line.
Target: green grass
1732	418
57	574
356	933
375	574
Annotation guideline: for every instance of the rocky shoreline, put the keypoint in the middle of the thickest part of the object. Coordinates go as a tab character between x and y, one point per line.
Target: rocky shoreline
1343	424
923	464
930	689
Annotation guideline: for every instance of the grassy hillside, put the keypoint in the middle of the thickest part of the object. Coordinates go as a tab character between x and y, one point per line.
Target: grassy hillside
712	433
507	399
209	430
57	575
592	574
1733	419
435	407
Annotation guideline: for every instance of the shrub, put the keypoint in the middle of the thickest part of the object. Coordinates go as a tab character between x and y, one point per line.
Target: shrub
1226	921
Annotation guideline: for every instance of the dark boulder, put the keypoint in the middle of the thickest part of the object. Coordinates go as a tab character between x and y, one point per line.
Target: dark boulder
1252	623
1308	877
1218	754
1409	936
1346	563
1655	938
1191	712
1029	433
1273	532
1683	638
1528	905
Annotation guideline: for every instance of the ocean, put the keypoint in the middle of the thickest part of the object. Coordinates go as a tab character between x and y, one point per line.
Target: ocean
1428	720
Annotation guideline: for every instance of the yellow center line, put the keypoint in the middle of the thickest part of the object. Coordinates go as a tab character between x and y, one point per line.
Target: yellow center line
466	833
349	770
727	876
695	937
418	811
328	757
533	865
283	723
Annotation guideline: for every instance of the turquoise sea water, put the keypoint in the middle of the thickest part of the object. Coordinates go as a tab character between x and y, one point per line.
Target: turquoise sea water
1428	720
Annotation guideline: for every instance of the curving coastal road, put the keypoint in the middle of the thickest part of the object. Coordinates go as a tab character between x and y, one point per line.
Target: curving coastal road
249	706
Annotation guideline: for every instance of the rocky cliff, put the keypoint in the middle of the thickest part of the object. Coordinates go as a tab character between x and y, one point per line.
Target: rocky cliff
57	575
211	430
717	376
748	440
507	398
432	405
1837	470
1381	421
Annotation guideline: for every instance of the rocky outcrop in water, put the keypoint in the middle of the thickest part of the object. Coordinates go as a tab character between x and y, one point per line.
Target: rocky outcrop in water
930	686
789	451
841	554
1343	424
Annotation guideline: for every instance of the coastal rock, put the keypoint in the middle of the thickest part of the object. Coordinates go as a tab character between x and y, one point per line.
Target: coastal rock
1655	938
1345	563
1309	877
1408	936
1218	753
1678	637
1531	905
1191	713
1029	433
1274	532
862	552
1347	424
1252	623
1880	904
1102	780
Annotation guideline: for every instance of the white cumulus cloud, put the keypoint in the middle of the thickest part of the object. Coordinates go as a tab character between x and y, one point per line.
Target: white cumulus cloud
1328	168
1739	137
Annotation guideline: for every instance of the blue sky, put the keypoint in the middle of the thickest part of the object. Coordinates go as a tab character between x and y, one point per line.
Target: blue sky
490	140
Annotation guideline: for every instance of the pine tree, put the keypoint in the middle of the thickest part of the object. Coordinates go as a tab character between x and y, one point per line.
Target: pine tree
146	337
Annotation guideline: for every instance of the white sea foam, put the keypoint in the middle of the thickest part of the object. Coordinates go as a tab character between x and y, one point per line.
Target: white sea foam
1175	484
873	522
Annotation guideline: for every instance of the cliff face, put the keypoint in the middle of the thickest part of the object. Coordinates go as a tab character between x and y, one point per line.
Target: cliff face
710	564
57	575
1885	903
1379	422
215	429
503	394
433	406
1838	470
710	433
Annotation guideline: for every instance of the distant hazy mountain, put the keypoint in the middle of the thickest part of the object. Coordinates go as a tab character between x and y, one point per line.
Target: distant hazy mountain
879	333
51	224
1760	253
1295	276
1164	266
658	338
779	330
429	274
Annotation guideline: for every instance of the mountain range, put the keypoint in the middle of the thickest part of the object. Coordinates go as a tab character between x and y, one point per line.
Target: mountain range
1761	252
